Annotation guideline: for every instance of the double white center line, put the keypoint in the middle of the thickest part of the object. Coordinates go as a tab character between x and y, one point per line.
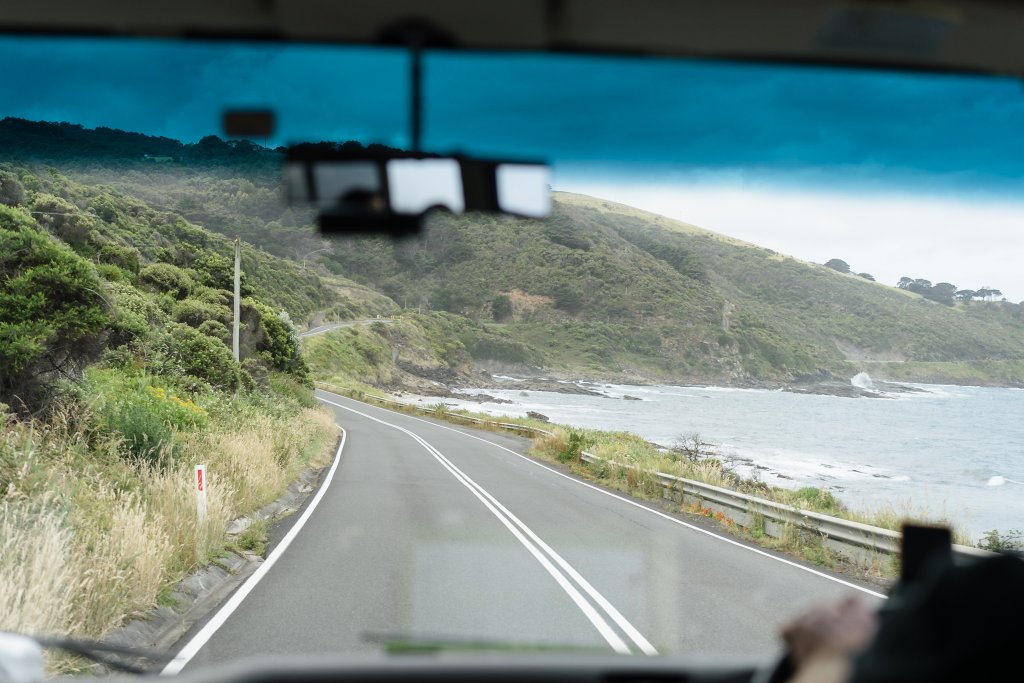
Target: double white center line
570	580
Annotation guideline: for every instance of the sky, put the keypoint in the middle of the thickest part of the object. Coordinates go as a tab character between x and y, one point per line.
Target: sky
898	174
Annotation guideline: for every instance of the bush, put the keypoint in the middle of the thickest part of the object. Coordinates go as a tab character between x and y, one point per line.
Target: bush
125	258
51	309
135	315
215	329
574	445
279	343
140	413
164	277
218	272
63	218
997	542
11	191
187	351
501	307
288	386
194	313
817	500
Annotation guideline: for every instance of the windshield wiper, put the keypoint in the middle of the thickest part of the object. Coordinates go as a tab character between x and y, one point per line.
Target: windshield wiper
113	657
400	643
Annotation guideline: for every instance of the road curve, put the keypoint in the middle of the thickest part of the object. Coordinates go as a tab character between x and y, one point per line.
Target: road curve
432	532
321	329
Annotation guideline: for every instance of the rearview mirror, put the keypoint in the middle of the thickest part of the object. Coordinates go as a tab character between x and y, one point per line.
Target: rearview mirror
369	191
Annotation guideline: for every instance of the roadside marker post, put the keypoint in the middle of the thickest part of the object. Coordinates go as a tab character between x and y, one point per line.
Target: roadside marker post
199	480
200	483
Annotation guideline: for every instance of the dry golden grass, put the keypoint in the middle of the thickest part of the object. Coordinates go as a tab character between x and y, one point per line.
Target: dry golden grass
88	539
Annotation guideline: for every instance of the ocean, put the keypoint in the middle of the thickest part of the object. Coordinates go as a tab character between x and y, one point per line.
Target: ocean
941	452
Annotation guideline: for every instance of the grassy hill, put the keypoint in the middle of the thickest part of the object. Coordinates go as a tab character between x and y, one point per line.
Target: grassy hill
598	290
605	289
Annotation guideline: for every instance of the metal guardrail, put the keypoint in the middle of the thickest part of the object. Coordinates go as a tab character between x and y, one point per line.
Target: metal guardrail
845	536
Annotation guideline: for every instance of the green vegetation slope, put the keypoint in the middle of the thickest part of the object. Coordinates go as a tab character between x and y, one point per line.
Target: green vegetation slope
599	289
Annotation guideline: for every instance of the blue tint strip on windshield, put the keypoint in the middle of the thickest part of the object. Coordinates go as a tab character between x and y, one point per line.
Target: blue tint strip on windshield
815	125
180	89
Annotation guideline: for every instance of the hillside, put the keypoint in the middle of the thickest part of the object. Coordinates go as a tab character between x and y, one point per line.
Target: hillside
116	381
597	290
601	289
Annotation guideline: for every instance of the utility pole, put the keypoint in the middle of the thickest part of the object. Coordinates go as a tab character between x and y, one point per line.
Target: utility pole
238	292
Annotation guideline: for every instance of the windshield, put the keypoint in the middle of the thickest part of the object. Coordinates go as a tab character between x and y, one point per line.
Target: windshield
763	291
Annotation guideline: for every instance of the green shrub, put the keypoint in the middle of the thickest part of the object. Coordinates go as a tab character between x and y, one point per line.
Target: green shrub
283	385
194	313
215	329
501	307
164	277
125	258
818	500
217	297
1005	541
109	272
218	272
11	191
139	412
187	351
51	309
104	207
277	341
63	218
574	446
135	315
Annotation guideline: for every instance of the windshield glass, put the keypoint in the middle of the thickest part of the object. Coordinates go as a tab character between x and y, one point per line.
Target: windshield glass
763	290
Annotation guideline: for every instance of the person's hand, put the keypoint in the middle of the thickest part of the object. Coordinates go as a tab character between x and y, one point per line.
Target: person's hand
826	638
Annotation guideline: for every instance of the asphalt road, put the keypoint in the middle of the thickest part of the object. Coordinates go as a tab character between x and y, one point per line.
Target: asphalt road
321	329
430	532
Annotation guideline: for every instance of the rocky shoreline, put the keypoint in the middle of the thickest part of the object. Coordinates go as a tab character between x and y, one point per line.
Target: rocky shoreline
483	381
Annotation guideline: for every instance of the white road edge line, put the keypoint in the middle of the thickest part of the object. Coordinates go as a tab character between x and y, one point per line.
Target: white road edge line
193	646
642	507
588	610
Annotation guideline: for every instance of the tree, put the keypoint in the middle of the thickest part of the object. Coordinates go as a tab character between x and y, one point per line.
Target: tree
920	285
905	282
567	298
965	294
11	191
838	264
866	276
943	292
501	307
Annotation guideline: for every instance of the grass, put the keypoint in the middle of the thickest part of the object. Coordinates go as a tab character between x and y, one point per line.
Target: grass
91	535
254	539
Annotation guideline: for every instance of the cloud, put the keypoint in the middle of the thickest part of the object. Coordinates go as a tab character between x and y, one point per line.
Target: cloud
968	242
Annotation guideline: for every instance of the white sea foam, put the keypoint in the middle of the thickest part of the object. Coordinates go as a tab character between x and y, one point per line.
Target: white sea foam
862	380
